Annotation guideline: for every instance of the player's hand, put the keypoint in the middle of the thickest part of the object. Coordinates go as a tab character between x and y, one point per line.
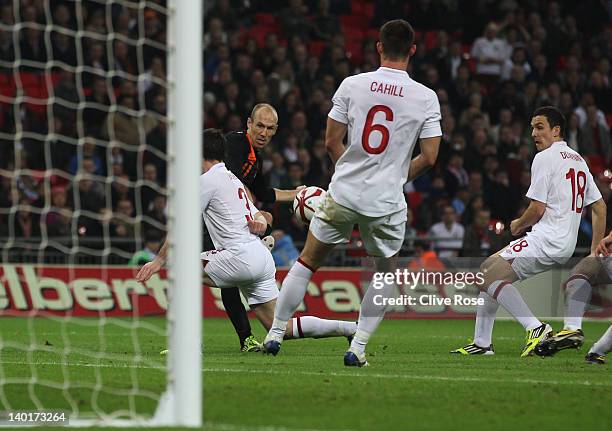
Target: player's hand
298	188
267	216
605	247
515	228
148	270
257	227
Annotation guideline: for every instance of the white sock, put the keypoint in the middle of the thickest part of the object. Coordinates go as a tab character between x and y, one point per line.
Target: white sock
485	319
604	344
313	327
371	314
510	298
578	294
360	341
289	298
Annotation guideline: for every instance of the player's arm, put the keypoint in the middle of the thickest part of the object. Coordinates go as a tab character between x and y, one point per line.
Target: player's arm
604	248
155	265
334	137
531	216
269	195
287	195
598	219
424	161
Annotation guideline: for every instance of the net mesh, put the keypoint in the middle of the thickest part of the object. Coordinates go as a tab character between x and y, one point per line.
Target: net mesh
82	196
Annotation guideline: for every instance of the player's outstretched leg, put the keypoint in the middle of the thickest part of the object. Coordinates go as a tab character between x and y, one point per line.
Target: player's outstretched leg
294	288
597	353
302	327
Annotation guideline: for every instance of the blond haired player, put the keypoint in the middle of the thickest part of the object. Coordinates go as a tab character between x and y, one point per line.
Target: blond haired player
385	113
240	259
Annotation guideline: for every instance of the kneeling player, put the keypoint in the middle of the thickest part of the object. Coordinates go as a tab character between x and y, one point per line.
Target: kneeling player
240	258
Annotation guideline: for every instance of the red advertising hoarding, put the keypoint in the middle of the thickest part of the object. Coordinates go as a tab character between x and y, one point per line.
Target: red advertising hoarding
114	292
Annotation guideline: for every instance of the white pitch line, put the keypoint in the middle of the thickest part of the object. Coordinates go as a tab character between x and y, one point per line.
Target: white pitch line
328	374
232	427
84	364
407	377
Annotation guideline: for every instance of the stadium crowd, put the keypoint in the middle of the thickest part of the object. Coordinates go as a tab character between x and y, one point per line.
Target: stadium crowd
490	62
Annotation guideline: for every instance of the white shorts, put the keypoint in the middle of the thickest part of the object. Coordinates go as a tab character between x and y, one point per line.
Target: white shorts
249	267
526	257
382	236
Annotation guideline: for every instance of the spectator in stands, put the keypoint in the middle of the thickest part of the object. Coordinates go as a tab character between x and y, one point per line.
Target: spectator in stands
482	239
157	214
566	51
294	20
87	195
284	252
7	51
455	176
32	46
491	53
324	25
595	137
152	243
88	151
59	218
63	49
150	188
449	232
121	190
123	224
26	223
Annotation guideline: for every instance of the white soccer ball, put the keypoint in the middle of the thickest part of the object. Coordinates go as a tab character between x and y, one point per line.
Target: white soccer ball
306	203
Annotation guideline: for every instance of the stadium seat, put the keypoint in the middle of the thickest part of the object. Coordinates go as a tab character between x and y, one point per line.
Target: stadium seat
28	81
431	39
7	86
259	34
353	34
353	21
316	47
263	19
414	200
372	33
354	52
34	86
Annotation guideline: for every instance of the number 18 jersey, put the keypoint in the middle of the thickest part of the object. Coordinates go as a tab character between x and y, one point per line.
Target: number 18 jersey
386	112
560	178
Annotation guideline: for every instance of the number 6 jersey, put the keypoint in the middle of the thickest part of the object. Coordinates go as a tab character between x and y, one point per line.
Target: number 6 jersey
560	178
386	112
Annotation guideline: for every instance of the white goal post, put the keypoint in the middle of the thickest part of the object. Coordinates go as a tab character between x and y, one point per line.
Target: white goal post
185	151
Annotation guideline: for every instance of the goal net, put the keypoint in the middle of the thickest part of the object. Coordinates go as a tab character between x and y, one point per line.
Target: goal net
95	97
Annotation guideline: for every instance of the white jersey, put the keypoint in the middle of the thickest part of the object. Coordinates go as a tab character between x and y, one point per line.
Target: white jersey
225	207
560	178
386	112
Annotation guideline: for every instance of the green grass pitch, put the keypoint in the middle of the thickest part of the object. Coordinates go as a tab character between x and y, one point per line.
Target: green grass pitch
412	383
